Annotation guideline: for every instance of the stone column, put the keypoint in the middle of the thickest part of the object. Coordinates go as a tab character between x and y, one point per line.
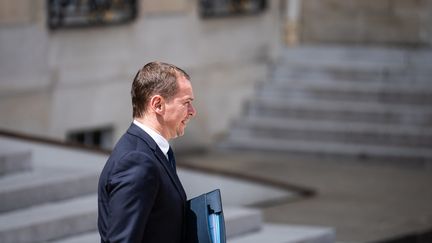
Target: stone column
292	19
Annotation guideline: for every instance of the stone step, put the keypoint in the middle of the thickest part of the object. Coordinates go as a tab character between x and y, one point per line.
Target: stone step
387	65
325	131
12	161
88	237
44	185
238	221
49	221
355	73
269	233
352	56
349	91
279	233
392	154
367	112
352	84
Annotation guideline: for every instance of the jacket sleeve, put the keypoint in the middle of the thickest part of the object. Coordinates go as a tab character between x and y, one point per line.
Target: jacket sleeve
133	187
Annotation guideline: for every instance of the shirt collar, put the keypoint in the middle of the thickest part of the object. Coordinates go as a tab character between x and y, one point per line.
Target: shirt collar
159	139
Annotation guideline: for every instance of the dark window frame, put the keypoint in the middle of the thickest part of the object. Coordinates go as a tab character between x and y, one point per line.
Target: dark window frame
101	137
226	8
89	13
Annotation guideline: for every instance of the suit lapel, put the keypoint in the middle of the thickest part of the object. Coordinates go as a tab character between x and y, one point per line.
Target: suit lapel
171	172
136	131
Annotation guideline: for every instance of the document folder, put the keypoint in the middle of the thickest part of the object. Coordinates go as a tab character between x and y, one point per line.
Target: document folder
205	219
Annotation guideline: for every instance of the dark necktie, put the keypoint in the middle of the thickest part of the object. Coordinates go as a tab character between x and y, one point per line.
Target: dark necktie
171	158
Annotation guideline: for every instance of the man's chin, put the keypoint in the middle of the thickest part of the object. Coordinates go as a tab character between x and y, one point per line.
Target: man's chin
180	133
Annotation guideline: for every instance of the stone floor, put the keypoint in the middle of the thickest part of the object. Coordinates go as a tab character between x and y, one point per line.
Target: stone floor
362	201
48	194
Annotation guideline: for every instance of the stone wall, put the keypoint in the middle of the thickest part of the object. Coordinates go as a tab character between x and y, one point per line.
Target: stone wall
389	22
52	82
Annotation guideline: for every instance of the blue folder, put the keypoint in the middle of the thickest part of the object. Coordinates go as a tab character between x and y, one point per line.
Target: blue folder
205	219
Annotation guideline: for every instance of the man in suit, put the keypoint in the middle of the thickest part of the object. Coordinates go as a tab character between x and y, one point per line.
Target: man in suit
140	197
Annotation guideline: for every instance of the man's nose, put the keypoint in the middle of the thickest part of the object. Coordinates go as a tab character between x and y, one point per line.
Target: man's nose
191	110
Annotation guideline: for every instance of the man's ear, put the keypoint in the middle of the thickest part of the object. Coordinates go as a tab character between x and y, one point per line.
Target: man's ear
157	104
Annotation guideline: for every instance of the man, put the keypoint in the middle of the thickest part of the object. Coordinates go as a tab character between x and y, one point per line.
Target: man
140	197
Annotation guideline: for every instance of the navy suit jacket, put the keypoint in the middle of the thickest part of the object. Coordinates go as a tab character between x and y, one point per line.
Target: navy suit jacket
140	197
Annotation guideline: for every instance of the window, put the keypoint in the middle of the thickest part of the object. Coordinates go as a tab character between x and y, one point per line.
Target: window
75	13
215	8
101	137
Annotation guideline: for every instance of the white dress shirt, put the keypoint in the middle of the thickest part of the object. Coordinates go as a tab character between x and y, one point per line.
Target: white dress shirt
159	139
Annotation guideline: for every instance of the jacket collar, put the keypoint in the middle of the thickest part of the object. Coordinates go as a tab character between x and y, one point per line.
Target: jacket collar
138	132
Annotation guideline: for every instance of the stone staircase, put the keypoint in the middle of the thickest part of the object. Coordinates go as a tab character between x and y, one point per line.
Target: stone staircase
339	102
41	203
48	194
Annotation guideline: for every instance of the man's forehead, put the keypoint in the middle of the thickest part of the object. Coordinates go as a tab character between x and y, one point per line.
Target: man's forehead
185	85
185	96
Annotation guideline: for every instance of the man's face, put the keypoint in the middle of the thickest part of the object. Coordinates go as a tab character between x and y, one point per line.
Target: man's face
179	110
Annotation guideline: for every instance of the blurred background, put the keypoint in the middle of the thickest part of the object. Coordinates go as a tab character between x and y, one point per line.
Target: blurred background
327	100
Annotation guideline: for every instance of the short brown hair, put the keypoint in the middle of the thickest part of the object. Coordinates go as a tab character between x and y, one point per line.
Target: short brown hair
154	78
